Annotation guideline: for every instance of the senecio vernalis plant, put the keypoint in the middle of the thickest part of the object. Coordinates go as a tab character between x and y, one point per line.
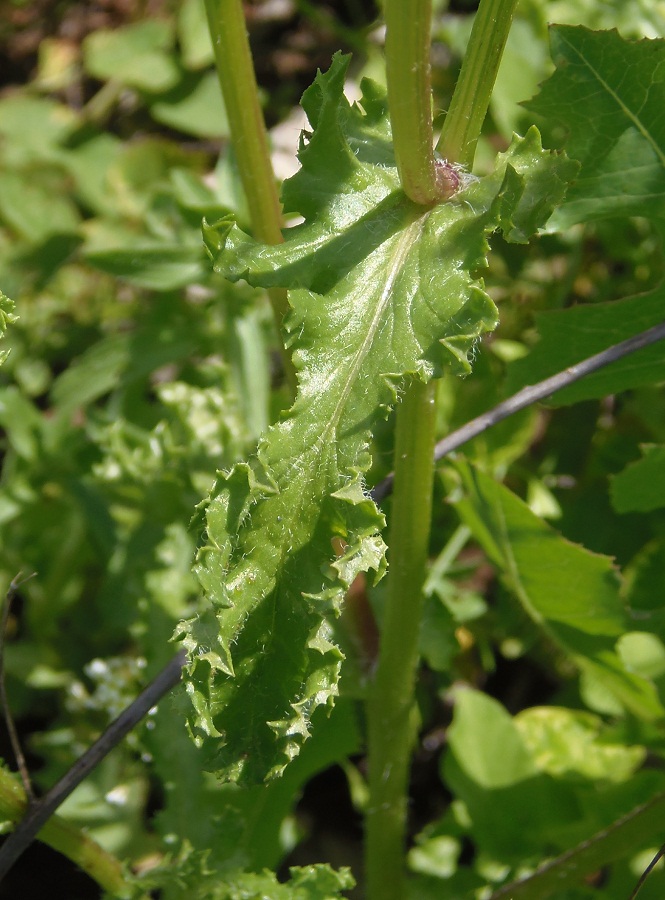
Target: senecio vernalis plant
385	296
380	305
378	295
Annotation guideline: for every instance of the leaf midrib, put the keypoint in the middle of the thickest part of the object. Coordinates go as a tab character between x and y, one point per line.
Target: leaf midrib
327	437
400	253
615	96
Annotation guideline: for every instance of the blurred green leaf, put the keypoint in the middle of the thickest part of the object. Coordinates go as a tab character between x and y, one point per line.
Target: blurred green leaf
35	204
633	18
21	422
437	856
88	165
477	714
644	653
571	593
33	128
437	642
522	64
195	107
110	801
645	577
570	335
136	55
511	803
569	742
94	374
641	486
193	35
564	876
158	267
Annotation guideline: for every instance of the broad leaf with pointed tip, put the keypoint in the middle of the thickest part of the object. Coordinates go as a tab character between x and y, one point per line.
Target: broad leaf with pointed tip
381	290
571	593
609	94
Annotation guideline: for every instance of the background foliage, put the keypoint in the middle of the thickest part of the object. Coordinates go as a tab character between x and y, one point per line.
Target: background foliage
136	372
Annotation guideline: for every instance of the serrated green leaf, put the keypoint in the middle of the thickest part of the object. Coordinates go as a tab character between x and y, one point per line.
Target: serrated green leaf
318	882
570	592
609	94
382	289
190	878
241	827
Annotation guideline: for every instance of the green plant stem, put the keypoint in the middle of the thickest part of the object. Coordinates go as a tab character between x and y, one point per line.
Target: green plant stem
468	107
408	27
250	142
235	70
392	725
391	707
104	868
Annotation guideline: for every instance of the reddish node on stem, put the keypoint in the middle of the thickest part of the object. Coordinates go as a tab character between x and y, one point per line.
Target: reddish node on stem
449	178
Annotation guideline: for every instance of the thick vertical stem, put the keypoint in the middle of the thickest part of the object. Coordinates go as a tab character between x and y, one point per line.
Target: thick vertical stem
248	134
408	26
468	107
391	708
391	727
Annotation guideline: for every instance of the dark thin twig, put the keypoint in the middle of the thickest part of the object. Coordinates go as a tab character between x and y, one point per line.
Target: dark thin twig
645	874
16	583
531	394
41	810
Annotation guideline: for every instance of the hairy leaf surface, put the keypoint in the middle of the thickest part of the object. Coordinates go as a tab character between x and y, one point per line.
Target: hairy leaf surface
381	290
191	877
